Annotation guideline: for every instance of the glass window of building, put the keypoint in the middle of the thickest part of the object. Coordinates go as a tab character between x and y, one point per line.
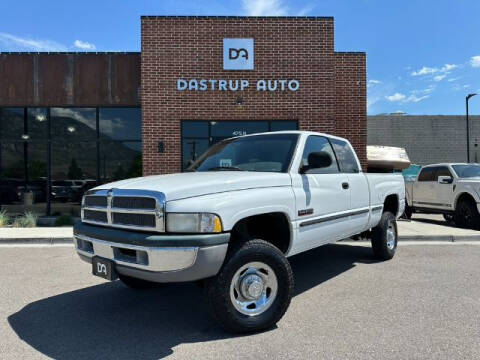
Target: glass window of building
73	124
12	123
120	160
120	123
37	123
198	136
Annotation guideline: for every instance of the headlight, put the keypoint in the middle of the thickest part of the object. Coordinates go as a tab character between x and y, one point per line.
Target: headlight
193	223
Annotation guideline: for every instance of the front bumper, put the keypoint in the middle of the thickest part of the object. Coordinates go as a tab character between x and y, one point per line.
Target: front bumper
152	256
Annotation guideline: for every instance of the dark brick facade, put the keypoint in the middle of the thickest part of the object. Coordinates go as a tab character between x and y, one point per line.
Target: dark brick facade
331	97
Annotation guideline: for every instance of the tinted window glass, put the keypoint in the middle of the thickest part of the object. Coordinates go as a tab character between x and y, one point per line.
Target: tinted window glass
195	129
11	123
427	174
345	155
442	171
71	124
266	153
120	160
37	123
317	144
467	171
283	125
121	123
225	129
192	149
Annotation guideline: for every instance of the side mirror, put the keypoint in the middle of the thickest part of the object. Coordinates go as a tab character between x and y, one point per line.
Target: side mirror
445	179
317	160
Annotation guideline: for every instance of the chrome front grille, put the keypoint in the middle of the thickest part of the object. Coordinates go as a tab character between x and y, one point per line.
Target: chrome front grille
130	209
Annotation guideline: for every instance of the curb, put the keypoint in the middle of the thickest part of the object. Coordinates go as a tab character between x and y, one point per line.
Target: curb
446	238
40	241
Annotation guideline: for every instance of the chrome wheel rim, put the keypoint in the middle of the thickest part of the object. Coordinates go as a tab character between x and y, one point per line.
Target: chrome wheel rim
391	235
254	288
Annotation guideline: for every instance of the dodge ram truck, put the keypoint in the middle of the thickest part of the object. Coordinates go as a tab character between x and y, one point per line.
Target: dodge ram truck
449	189
235	216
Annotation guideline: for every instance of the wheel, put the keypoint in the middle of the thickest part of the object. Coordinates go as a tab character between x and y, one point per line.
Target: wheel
466	214
385	237
449	218
253	289
137	284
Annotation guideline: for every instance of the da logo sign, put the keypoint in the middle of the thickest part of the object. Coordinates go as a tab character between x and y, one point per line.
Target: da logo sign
238	54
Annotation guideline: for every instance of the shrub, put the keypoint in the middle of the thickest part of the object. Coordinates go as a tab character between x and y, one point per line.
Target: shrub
28	219
4	218
64	220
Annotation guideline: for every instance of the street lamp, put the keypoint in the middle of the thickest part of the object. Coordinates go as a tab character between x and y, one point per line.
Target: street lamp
468	126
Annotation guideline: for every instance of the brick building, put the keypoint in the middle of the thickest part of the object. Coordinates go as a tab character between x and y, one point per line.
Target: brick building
331	94
70	120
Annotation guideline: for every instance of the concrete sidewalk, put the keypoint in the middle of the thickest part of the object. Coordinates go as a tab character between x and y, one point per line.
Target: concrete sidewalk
420	228
426	227
38	235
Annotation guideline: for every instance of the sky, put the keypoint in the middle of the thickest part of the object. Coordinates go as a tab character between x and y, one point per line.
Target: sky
423	56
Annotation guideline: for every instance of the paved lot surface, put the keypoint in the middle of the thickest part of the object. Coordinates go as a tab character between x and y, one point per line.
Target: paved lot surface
424	304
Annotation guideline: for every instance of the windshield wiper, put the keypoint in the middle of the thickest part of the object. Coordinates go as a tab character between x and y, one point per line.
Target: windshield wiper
224	168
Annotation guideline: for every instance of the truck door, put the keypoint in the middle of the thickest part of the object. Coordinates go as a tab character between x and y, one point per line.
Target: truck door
359	204
322	198
442	193
423	188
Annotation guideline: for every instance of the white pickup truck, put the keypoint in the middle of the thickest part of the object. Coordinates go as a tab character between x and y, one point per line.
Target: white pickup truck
449	189
232	220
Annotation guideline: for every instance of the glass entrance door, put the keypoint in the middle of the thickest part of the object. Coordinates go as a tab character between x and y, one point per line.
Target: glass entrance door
198	136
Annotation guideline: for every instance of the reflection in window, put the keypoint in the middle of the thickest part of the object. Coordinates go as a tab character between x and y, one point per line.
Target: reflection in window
72	124
37	123
120	160
16	179
121	123
12	123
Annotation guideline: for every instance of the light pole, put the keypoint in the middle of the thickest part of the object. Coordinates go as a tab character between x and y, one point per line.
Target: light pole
468	126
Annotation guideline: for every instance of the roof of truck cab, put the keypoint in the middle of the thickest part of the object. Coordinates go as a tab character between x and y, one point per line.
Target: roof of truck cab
299	132
446	164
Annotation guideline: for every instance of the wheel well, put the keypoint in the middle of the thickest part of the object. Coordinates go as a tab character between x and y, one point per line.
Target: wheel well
466	197
271	227
391	204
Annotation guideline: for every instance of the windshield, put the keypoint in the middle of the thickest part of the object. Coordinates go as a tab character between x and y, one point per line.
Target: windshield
467	171
269	153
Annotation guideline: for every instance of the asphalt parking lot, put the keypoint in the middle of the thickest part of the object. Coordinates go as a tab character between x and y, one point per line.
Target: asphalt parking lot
424	304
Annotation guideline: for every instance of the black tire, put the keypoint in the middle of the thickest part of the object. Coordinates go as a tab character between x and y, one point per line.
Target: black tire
466	214
383	245
219	288
137	284
449	218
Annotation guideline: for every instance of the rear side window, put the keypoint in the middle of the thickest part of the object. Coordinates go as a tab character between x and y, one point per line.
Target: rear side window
442	171
317	144
427	174
345	156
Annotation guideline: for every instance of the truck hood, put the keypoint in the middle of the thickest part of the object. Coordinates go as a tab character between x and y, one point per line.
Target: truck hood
185	185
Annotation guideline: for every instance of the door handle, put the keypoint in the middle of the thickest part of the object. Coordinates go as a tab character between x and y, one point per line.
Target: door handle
345	185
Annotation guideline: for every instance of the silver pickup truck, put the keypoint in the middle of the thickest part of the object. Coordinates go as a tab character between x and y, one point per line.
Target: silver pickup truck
451	189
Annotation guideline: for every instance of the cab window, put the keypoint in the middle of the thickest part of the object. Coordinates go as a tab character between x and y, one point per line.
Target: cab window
427	174
316	144
442	171
345	155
